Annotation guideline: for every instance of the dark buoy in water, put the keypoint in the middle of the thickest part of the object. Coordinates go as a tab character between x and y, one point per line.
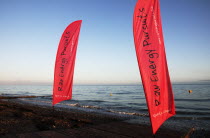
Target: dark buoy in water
190	91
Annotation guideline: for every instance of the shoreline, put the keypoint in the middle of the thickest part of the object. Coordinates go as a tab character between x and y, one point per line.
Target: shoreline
17	119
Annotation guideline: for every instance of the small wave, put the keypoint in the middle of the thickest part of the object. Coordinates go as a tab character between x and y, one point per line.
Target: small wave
46	97
24	92
128	113
83	106
128	92
138	98
192	113
4	94
197	109
89	107
193	100
137	104
97	101
192	118
123	93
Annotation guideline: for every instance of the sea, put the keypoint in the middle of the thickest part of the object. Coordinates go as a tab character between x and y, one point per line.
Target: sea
122	99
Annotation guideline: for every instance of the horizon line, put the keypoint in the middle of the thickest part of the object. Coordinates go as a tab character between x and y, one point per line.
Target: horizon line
76	84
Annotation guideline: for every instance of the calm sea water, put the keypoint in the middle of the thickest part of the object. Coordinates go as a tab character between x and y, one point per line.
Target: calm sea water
120	99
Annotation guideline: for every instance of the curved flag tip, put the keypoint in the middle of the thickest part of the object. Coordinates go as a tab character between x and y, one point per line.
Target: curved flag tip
65	62
150	52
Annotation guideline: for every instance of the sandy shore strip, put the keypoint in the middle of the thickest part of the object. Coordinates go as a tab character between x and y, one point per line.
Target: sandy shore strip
28	120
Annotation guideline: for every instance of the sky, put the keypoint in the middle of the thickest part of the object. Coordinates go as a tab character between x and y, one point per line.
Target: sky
30	32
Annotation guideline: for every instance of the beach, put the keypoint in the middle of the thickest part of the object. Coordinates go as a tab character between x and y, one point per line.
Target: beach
28	120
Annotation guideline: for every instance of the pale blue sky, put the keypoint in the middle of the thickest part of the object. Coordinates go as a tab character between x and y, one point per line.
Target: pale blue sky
30	31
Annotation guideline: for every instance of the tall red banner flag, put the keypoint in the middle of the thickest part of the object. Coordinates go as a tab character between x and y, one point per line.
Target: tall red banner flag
65	61
150	51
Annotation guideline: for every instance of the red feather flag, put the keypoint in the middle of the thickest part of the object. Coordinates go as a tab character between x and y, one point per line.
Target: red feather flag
150	51
65	61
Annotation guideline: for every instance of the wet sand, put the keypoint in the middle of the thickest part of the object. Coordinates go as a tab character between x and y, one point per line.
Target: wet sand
27	120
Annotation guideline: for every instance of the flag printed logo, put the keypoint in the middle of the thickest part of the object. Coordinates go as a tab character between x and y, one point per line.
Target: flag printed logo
65	61
150	52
